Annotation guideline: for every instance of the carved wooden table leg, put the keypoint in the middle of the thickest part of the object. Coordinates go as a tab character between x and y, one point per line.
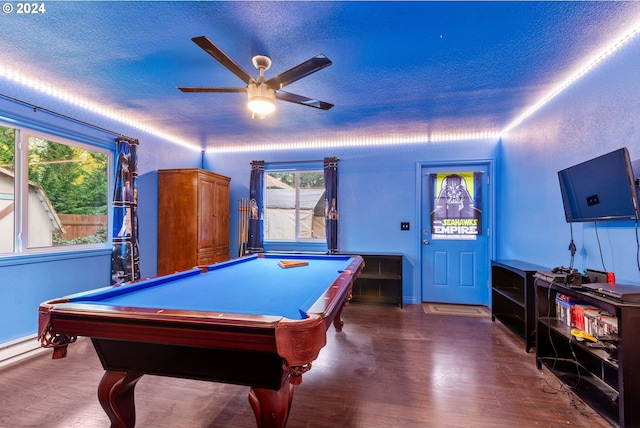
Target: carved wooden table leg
272	407
337	321
115	394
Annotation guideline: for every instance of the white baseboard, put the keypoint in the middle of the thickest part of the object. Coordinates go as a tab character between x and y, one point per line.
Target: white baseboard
16	350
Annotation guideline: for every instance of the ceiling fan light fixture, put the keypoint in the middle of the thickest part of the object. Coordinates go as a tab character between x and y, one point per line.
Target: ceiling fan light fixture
261	100
261	105
261	93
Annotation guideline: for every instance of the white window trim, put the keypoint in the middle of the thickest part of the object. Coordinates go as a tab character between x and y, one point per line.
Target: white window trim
296	170
21	188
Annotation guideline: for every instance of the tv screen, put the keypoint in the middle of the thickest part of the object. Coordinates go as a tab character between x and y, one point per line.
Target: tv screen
602	188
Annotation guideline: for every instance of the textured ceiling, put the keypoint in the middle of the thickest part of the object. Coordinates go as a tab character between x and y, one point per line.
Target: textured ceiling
398	67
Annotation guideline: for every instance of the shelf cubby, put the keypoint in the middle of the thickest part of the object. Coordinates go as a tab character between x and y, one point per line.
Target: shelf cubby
608	381
380	281
512	297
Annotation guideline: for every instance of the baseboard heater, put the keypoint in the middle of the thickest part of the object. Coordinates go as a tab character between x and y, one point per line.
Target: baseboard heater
11	352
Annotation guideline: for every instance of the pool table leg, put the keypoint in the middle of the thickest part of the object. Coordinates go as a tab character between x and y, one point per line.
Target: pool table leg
115	394
337	321
272	407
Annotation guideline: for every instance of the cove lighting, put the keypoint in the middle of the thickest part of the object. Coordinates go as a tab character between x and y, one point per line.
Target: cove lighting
356	141
418	138
581	71
261	101
109	113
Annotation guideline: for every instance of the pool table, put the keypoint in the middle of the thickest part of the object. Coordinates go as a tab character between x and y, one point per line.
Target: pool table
247	321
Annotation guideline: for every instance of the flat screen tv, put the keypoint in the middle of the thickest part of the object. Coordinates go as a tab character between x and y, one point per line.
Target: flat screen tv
599	189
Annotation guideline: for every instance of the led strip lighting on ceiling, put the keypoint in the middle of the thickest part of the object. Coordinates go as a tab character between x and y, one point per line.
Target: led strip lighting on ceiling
575	76
377	140
356	141
109	113
349	141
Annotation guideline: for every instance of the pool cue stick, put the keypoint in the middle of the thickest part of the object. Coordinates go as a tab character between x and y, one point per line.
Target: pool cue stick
244	226
245	229
240	226
247	216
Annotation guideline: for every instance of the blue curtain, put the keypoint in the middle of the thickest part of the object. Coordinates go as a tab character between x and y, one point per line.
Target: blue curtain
256	206
125	260
331	203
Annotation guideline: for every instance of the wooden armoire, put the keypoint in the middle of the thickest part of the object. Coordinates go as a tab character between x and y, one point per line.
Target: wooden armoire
193	219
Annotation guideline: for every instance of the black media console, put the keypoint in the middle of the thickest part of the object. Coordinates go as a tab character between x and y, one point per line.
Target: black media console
608	380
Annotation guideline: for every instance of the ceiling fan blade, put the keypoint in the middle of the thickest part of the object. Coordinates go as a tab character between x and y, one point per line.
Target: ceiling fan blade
209	47
191	89
301	70
299	99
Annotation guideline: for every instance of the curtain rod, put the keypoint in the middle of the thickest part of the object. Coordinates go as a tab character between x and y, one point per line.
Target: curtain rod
64	116
330	158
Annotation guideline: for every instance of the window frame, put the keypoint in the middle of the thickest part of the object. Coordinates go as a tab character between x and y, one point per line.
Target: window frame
297	244
22	132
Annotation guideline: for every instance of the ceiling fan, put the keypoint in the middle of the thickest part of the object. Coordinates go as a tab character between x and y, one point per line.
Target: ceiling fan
261	93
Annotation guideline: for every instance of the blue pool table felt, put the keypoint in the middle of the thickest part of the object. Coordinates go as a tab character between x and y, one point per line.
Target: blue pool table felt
251	285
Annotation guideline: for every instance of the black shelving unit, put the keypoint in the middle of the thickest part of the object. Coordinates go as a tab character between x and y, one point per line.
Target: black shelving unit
380	281
512	297
609	383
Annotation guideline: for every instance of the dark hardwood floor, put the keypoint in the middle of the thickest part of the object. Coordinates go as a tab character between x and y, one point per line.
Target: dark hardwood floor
389	367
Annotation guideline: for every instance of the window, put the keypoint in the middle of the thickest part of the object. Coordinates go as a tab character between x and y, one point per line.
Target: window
53	192
294	205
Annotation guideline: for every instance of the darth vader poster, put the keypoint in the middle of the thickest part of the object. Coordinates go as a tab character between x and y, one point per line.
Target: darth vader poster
457	212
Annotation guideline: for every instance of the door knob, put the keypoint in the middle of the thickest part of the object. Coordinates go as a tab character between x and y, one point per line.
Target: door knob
425	242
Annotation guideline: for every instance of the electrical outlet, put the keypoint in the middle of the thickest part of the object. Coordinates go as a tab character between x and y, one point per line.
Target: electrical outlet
404	225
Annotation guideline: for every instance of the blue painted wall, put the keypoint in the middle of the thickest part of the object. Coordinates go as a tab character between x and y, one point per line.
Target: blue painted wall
598	114
377	189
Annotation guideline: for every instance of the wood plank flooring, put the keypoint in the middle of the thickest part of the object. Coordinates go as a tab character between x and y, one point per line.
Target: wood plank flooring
390	367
